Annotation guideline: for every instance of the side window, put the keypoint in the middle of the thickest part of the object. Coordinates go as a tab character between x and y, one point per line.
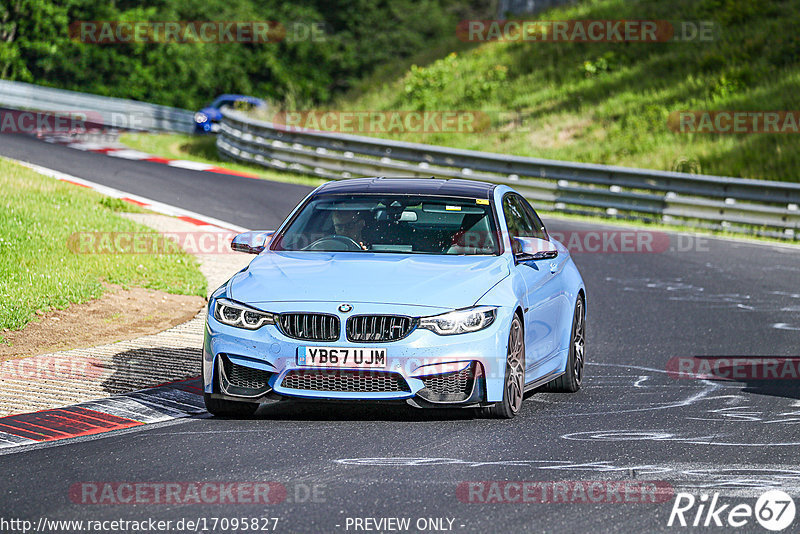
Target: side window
538	226
521	219
513	216
526	225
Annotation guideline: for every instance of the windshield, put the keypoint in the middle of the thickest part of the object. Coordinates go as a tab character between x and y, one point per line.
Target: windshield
236	103
405	224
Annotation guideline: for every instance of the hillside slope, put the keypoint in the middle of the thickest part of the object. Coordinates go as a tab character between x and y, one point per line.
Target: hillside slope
610	102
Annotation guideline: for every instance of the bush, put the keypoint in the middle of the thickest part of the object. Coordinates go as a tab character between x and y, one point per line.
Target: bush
450	84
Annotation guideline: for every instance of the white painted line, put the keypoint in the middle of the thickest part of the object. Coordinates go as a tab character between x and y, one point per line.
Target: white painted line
10	440
192	165
152	205
182	401
92	146
135	409
129	154
57	139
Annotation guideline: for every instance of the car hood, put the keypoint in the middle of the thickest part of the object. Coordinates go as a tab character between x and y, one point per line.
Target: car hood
349	277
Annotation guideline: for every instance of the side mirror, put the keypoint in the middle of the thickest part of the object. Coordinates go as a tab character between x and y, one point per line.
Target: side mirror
252	242
533	248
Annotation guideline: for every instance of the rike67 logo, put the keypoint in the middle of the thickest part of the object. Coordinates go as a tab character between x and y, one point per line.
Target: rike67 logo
774	510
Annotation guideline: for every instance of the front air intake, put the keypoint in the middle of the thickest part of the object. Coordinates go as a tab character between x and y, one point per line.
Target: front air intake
345	381
242	381
449	387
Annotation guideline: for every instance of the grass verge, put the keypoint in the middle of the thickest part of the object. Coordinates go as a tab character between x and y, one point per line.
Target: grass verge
38	272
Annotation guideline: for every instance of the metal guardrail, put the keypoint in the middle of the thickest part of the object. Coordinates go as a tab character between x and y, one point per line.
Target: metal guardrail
112	112
735	204
519	7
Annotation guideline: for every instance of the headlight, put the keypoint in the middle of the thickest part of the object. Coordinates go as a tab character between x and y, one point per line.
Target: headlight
241	316
200	117
460	321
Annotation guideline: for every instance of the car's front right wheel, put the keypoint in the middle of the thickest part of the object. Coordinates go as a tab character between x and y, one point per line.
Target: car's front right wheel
570	381
514	386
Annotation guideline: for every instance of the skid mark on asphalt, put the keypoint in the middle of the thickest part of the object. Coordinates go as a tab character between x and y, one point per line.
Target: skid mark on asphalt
786	326
754	414
154	405
643	389
738	479
661	435
735	479
677	289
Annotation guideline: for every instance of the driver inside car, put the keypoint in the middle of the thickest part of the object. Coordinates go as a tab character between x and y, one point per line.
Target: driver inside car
350	223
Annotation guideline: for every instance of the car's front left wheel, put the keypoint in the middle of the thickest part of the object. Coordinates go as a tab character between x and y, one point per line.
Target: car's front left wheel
514	386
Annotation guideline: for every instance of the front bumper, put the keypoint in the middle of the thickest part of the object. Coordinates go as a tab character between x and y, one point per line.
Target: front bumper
423	368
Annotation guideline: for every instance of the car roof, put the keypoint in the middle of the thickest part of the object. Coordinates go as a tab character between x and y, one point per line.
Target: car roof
227	96
418	186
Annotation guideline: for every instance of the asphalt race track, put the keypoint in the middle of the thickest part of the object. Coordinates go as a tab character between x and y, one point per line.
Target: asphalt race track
633	421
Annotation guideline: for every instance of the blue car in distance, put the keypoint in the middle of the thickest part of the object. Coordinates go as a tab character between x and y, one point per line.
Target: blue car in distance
207	119
425	291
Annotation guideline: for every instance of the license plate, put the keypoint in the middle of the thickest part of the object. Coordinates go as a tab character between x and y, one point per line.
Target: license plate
367	358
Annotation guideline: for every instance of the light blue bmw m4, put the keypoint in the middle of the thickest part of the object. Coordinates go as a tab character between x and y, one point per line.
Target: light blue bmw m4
425	291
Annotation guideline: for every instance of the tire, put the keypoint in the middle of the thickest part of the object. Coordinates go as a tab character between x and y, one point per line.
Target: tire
514	384
570	381
222	407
